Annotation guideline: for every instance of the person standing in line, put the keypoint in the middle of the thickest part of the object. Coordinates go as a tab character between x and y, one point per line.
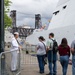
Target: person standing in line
73	57
64	52
41	52
52	55
14	52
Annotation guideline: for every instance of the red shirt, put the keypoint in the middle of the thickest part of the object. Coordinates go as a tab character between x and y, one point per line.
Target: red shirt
64	51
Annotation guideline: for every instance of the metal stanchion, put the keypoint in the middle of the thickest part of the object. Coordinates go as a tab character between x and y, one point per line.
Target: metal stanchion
5	66
2	36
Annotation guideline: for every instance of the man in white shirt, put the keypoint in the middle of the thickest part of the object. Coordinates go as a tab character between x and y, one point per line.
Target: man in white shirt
52	55
14	51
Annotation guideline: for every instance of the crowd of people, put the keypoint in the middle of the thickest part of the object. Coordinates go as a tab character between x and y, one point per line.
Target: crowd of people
50	50
47	50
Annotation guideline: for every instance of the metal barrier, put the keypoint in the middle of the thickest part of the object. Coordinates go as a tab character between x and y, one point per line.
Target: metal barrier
5	63
28	55
28	63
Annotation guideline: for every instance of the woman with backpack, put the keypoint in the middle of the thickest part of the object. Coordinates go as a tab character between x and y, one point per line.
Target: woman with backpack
64	52
41	52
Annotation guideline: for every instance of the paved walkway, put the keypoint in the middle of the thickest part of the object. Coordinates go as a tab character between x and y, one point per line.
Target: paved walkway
30	66
34	70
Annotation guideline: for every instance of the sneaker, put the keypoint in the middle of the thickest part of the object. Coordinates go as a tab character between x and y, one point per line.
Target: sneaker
54	74
49	74
41	72
14	70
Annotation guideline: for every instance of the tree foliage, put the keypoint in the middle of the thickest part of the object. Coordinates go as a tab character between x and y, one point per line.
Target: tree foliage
7	19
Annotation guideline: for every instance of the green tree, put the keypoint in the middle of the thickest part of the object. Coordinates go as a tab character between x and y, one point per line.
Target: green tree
7	19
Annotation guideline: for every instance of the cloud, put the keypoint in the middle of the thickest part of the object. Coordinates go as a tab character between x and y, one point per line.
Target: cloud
27	21
26	10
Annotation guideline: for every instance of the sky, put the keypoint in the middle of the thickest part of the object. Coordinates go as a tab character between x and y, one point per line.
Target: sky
26	10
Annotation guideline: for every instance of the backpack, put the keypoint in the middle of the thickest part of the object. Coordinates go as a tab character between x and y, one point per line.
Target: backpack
55	45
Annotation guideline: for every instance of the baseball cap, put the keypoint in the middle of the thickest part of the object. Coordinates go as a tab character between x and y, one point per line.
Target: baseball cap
16	33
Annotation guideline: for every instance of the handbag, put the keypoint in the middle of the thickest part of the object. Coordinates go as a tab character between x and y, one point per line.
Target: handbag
45	56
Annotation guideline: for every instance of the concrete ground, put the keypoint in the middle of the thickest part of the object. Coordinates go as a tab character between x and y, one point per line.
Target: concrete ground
33	70
29	66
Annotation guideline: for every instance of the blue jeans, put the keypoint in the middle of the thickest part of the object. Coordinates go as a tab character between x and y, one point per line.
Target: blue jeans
41	62
73	64
64	60
52	58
